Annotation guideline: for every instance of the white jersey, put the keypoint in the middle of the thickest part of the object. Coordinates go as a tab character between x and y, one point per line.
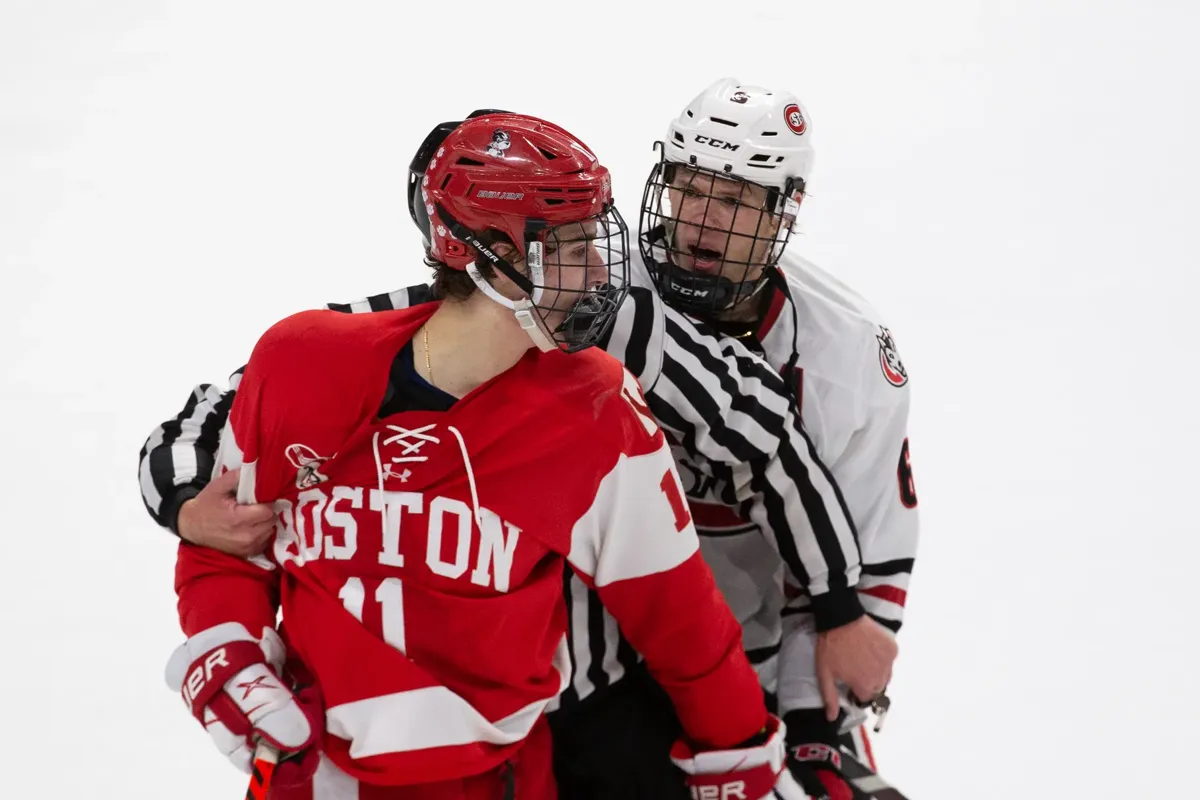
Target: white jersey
853	395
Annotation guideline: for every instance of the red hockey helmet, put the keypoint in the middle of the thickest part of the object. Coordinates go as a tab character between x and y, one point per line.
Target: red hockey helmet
514	177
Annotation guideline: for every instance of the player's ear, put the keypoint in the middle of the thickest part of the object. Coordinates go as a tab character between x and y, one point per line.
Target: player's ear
510	254
498	279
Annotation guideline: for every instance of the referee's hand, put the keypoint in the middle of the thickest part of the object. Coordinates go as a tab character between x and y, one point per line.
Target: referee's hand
859	656
213	518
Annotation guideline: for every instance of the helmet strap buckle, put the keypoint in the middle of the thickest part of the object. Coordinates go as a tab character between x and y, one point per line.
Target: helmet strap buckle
534	326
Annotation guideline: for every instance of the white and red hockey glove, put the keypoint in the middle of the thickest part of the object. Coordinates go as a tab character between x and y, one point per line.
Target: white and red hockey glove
230	682
757	771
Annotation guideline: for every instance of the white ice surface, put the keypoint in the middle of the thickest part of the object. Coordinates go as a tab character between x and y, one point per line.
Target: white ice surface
1014	184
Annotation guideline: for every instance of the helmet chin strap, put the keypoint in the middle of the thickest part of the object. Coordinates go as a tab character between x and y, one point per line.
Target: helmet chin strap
534	326
525	309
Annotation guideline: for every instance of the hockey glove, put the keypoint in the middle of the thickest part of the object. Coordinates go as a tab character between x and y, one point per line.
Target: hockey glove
755	772
814	758
230	682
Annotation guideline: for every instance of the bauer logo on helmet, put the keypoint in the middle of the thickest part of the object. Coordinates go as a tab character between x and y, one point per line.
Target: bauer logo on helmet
488	194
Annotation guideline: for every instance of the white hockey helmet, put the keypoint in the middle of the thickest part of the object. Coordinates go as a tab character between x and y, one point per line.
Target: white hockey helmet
760	135
733	132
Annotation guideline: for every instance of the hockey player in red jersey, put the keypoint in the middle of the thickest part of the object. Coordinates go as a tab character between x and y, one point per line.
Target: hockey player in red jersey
432	470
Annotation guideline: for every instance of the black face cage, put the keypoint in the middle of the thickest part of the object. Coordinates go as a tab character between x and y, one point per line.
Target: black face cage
589	299
734	281
592	310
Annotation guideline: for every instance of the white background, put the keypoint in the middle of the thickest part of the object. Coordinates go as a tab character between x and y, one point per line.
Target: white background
1013	183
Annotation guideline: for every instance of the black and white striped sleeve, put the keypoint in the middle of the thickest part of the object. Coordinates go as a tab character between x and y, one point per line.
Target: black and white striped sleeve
727	407
178	457
389	301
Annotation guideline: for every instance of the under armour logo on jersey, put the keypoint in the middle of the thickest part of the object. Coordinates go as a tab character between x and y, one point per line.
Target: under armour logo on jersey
411	442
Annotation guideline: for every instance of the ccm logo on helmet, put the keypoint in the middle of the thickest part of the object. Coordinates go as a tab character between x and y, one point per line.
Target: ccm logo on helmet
717	143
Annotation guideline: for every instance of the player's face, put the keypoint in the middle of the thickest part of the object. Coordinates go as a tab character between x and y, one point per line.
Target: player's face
573	264
722	226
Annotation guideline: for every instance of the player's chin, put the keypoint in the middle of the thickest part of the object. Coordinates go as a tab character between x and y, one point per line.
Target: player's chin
554	318
741	270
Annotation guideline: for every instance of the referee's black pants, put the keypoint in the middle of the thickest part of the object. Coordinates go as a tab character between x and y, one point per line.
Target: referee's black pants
616	744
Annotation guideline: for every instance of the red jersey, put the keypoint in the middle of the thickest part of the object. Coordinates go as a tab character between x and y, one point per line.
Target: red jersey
418	558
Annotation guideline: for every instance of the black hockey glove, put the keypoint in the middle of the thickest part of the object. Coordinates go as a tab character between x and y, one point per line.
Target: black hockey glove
814	758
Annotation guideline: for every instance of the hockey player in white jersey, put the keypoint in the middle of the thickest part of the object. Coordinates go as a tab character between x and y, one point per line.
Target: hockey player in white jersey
717	215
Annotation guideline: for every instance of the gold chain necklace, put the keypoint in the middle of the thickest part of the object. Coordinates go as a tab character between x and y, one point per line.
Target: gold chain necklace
428	368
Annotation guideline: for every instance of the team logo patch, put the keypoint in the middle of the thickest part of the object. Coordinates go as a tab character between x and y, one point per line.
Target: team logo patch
500	142
795	119
889	359
307	464
739	97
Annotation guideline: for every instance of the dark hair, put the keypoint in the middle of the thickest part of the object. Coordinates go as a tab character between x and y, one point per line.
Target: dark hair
456	284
